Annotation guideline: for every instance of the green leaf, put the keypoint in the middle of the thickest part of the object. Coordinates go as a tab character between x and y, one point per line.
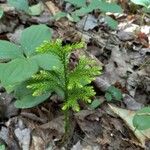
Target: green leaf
1	12
73	17
30	101
95	103
47	61
110	7
18	70
9	88
145	3
82	11
60	92
141	120
111	22
94	4
59	15
108	97
2	67
78	3
36	9
97	4
9	50
21	90
19	4
33	36
105	6
113	93
146	10
2	147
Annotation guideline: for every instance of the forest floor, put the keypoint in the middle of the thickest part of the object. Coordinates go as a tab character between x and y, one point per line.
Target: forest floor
123	53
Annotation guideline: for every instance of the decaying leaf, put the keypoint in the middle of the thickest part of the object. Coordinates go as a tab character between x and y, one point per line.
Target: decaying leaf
52	7
127	116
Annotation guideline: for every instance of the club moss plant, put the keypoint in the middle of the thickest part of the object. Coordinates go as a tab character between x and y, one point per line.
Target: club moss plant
71	83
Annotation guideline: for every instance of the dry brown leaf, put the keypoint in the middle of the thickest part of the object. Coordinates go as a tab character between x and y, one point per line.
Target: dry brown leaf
37	143
56	124
127	116
52	7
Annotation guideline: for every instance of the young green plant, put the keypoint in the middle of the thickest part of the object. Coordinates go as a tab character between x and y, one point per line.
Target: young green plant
69	82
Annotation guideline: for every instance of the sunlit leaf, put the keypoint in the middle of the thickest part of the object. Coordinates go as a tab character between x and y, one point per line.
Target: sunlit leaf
9	50
33	36
18	70
141	119
47	61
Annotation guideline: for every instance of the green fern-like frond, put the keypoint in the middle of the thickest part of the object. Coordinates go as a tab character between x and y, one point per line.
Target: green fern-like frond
72	47
73	83
74	95
46	81
84	73
56	47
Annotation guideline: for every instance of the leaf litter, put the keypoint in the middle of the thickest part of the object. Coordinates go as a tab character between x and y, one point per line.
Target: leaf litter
124	55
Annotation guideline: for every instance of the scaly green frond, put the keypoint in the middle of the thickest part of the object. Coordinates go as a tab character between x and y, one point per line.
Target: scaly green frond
84	73
46	81
73	83
76	94
72	47
58	49
54	47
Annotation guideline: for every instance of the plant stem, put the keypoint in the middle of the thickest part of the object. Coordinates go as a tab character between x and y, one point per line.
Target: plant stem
66	112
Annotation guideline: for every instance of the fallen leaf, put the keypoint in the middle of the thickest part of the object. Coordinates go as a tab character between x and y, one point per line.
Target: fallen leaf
56	124
127	116
130	102
88	22
52	7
